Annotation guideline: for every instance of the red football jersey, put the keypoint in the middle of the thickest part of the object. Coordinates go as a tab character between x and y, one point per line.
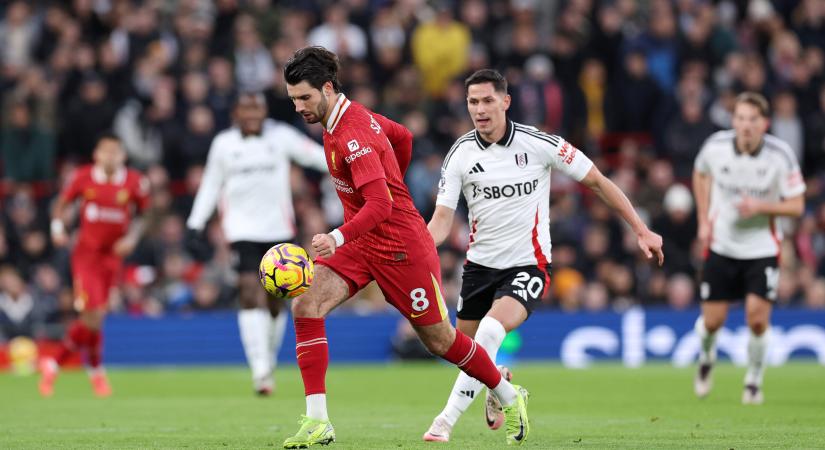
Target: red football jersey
106	206
358	151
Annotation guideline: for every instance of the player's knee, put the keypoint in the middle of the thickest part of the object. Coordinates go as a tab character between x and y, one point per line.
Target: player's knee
437	346
758	326
250	295
306	305
713	324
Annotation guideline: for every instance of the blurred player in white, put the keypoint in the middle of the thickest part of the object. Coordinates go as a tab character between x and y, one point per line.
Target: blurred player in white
248	169
743	179
503	170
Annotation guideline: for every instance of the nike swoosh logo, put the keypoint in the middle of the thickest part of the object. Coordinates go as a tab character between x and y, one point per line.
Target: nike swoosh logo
301	354
520	434
489	422
415	316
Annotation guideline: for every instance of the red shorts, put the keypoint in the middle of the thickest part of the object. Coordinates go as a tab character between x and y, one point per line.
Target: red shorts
94	275
413	289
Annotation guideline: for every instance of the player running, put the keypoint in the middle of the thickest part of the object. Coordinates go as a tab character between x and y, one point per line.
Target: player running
503	170
383	239
247	167
110	195
743	179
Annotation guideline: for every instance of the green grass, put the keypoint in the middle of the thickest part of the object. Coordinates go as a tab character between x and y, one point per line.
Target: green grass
385	407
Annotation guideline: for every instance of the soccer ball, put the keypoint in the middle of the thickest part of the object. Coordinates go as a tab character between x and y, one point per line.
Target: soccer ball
286	271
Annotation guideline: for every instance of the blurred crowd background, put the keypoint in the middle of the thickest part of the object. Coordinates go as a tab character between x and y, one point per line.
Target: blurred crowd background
637	85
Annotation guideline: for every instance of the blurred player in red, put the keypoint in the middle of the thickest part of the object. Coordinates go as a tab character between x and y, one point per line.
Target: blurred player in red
109	195
383	238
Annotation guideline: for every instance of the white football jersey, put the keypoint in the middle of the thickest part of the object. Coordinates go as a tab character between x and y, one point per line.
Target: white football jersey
772	173
507	188
250	177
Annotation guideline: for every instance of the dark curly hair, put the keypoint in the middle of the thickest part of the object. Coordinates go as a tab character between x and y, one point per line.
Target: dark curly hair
315	65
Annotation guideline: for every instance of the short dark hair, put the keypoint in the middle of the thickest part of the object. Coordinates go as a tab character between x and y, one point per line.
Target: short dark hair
315	65
487	76
257	95
757	100
107	134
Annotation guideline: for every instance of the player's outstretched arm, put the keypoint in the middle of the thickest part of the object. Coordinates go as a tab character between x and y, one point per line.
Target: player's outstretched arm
701	190
649	242
441	223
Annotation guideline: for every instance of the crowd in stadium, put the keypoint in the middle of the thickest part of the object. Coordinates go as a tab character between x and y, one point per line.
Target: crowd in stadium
636	85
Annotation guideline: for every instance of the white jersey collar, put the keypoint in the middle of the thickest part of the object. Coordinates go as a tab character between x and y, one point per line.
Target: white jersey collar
341	105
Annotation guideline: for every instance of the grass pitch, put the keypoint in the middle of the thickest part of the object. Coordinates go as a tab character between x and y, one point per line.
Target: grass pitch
389	407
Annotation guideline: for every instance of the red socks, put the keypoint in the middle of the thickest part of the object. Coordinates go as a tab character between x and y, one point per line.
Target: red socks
79	337
473	360
95	348
312	352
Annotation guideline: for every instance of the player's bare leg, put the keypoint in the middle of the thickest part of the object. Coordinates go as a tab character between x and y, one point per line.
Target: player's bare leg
254	325
327	291
757	316
454	346
714	314
505	315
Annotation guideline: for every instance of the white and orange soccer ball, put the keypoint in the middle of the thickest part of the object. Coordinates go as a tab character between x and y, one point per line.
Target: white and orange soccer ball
286	271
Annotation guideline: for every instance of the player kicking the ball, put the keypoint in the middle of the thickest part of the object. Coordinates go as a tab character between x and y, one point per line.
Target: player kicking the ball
383	239
503	170
109	195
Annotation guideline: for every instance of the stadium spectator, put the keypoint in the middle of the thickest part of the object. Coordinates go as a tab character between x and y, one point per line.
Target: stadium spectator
28	149
79	65
338	35
684	135
440	48
17	306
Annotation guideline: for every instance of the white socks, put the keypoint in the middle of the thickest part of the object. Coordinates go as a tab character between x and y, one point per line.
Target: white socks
707	342
254	327
757	351
277	328
489	336
317	406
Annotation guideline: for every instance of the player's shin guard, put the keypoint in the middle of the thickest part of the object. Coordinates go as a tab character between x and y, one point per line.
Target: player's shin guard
489	336
474	361
707	342
757	352
312	353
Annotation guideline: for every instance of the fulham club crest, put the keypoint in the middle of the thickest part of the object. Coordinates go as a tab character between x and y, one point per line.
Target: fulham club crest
521	160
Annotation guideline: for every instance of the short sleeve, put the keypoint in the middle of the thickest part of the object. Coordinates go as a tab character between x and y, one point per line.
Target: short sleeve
702	163
568	159
791	181
449	186
73	189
